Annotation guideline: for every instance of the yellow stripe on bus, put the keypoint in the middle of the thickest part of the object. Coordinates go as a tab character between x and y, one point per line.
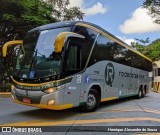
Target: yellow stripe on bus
39	84
108	99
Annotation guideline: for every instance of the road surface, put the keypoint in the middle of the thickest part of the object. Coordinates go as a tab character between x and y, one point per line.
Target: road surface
130	112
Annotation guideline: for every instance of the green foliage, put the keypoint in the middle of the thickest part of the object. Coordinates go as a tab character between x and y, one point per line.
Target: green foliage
143	41
19	16
152	50
63	13
154	9
138	47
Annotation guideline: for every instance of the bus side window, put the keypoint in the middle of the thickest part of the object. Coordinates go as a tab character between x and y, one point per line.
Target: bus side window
73	63
87	43
102	50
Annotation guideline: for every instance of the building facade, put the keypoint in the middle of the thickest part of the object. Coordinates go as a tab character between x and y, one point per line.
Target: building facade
156	75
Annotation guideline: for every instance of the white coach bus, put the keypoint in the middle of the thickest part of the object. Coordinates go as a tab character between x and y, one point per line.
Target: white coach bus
70	64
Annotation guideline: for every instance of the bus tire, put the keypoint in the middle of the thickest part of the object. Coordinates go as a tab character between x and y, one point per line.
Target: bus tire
140	94
145	90
93	100
143	93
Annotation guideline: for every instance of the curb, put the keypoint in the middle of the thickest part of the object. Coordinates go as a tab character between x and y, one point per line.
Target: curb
5	94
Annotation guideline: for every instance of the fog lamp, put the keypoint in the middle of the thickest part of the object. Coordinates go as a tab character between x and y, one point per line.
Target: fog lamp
50	102
50	90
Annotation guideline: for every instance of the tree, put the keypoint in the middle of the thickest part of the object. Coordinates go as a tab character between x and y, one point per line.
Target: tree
19	16
138	47
154	9
153	50
63	13
143	41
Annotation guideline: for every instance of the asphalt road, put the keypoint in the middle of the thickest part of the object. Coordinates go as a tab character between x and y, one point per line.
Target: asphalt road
120	113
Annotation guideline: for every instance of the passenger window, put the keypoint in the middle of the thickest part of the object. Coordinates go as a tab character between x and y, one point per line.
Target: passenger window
73	61
102	50
87	43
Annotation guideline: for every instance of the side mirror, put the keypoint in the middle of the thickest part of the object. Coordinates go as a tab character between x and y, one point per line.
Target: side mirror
61	38
6	45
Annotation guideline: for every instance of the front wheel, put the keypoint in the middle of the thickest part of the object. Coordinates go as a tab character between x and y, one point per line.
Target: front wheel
93	100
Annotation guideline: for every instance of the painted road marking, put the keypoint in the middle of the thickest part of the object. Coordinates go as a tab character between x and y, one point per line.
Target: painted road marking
69	122
148	110
107	111
147	134
47	122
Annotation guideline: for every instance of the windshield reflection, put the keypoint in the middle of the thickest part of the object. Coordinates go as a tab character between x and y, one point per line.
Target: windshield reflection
37	58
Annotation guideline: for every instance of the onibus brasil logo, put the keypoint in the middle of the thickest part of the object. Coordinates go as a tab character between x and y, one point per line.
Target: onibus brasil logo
109	74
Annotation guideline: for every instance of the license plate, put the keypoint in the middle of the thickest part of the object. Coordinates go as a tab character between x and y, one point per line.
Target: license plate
26	100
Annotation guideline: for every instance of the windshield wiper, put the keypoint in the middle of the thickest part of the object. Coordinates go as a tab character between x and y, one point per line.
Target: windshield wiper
54	56
33	60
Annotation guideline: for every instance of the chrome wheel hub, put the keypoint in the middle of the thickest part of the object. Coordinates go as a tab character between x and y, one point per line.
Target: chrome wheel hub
91	100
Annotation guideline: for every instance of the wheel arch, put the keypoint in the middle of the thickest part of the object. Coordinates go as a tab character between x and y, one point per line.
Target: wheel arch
97	87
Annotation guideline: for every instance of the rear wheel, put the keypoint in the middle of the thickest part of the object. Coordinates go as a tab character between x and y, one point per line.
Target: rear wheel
93	100
143	93
140	93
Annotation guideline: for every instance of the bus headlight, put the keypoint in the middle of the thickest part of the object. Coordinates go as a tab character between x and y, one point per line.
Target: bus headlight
50	90
12	87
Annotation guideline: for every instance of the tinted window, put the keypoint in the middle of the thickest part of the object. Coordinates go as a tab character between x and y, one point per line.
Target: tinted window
139	62
106	49
102	50
74	58
87	43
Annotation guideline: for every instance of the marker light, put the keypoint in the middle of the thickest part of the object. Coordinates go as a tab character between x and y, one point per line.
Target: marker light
50	90
50	102
12	87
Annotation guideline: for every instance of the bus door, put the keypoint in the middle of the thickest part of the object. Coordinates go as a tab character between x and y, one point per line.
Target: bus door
73	66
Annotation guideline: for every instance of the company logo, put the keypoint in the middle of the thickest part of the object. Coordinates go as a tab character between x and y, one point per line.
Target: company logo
86	79
109	74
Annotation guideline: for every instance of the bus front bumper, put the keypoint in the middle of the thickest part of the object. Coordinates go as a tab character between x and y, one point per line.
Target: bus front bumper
50	107
17	95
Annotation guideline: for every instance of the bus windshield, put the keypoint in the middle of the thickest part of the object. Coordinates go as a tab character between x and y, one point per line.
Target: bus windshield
37	58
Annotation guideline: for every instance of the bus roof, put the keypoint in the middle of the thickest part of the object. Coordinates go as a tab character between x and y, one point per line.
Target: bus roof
91	26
